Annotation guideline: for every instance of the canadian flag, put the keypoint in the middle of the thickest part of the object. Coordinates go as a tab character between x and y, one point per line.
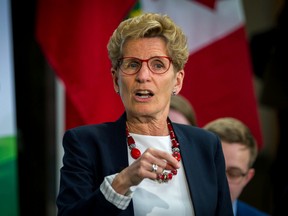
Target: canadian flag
218	76
218	79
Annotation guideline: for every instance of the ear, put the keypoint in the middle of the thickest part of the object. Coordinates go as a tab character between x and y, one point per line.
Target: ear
179	81
115	80
250	175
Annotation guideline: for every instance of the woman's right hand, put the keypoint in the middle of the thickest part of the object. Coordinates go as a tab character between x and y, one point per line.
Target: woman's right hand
142	168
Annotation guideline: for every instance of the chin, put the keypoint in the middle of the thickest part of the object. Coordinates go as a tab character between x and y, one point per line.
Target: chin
143	112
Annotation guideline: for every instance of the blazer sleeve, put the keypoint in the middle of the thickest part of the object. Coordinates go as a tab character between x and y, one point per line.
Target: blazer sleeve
80	178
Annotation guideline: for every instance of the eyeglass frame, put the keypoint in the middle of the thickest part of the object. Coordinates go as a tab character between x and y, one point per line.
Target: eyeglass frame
238	178
144	60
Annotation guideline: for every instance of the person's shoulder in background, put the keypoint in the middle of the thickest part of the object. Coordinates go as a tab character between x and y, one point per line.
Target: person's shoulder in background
244	209
181	111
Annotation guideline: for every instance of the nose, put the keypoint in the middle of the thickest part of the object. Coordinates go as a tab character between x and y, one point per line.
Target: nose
144	74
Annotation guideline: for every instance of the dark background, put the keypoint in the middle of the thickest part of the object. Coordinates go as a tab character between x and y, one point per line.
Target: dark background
35	110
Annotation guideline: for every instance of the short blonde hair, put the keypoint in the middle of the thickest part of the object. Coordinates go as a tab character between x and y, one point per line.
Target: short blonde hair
150	25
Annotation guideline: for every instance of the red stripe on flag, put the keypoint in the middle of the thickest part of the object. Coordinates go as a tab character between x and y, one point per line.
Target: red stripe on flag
219	82
73	36
208	3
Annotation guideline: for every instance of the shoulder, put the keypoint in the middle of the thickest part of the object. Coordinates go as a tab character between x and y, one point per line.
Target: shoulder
248	210
98	129
96	133
195	134
202	141
86	129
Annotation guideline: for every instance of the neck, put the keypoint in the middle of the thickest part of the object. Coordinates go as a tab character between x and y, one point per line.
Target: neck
153	127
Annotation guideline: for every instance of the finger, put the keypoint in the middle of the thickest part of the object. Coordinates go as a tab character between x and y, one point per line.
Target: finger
170	167
141	169
154	168
151	156
163	159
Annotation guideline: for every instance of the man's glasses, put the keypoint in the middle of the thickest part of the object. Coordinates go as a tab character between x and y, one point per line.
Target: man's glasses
156	64
235	175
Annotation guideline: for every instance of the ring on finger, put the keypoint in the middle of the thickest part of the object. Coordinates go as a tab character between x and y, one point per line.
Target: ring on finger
154	168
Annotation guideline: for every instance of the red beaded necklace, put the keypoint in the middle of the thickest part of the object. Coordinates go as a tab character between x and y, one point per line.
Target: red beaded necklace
135	153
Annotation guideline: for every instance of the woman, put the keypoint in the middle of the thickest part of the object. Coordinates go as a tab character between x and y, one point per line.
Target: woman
143	164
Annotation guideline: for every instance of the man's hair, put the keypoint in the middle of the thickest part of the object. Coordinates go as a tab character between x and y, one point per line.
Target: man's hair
232	130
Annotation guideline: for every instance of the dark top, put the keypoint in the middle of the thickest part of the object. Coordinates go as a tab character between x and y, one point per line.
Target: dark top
244	209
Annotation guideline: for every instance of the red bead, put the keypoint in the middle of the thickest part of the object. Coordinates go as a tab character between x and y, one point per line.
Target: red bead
130	140
177	156
169	176
135	153
175	144
161	176
174	172
172	135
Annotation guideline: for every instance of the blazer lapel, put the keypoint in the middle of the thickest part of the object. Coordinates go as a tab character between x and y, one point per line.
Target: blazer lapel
120	153
192	167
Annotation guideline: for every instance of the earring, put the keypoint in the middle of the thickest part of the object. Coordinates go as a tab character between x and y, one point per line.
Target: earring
174	93
117	92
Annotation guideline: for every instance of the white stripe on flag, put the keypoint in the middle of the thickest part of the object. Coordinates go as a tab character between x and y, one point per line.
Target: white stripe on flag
202	25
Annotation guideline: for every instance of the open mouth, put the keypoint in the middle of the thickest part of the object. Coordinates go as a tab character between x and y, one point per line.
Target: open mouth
144	94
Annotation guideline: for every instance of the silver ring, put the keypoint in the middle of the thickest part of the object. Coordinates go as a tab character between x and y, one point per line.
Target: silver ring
154	168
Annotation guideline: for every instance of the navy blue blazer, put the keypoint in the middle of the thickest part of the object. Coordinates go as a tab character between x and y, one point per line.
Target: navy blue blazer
94	151
243	209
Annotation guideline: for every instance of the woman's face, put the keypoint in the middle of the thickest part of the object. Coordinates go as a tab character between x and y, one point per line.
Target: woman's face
146	94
